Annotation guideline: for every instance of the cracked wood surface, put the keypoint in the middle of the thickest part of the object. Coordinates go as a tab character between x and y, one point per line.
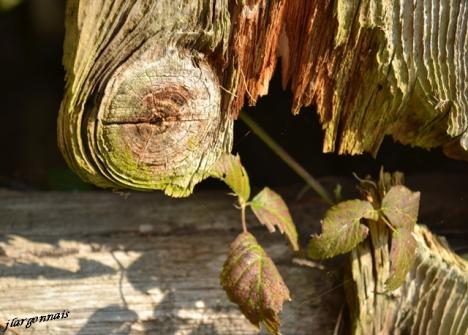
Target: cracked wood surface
432	301
185	69
378	67
433	297
142	104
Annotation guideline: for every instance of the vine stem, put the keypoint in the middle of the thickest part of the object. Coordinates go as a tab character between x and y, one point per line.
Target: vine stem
388	224
286	158
244	221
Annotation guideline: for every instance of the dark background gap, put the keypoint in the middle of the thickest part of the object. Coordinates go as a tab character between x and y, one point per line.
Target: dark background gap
31	86
302	137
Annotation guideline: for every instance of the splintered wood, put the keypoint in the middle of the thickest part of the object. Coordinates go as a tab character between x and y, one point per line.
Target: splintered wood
432	301
371	67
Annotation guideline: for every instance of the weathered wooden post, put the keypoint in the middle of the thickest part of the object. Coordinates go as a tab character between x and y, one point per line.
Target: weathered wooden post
153	86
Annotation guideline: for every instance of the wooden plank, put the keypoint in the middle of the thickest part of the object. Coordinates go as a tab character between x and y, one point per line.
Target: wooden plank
143	264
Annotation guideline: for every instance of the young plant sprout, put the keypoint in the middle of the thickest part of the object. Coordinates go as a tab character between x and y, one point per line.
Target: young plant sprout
249	276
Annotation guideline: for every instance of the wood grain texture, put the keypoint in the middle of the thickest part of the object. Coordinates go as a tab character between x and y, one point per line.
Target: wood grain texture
179	72
433	300
377	68
142	104
145	264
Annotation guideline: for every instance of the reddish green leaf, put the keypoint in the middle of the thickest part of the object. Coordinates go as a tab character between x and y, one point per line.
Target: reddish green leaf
341	229
229	169
402	255
401	207
251	280
271	211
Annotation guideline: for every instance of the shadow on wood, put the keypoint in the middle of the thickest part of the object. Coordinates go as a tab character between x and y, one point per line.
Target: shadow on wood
145	264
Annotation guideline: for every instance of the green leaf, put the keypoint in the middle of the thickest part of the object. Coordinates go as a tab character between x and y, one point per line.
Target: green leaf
251	280
402	255
342	229
271	210
229	169
337	192
401	207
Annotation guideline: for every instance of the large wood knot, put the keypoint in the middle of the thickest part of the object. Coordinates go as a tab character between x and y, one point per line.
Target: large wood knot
159	124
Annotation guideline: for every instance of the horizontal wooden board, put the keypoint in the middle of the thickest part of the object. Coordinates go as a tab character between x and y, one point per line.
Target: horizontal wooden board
142	263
